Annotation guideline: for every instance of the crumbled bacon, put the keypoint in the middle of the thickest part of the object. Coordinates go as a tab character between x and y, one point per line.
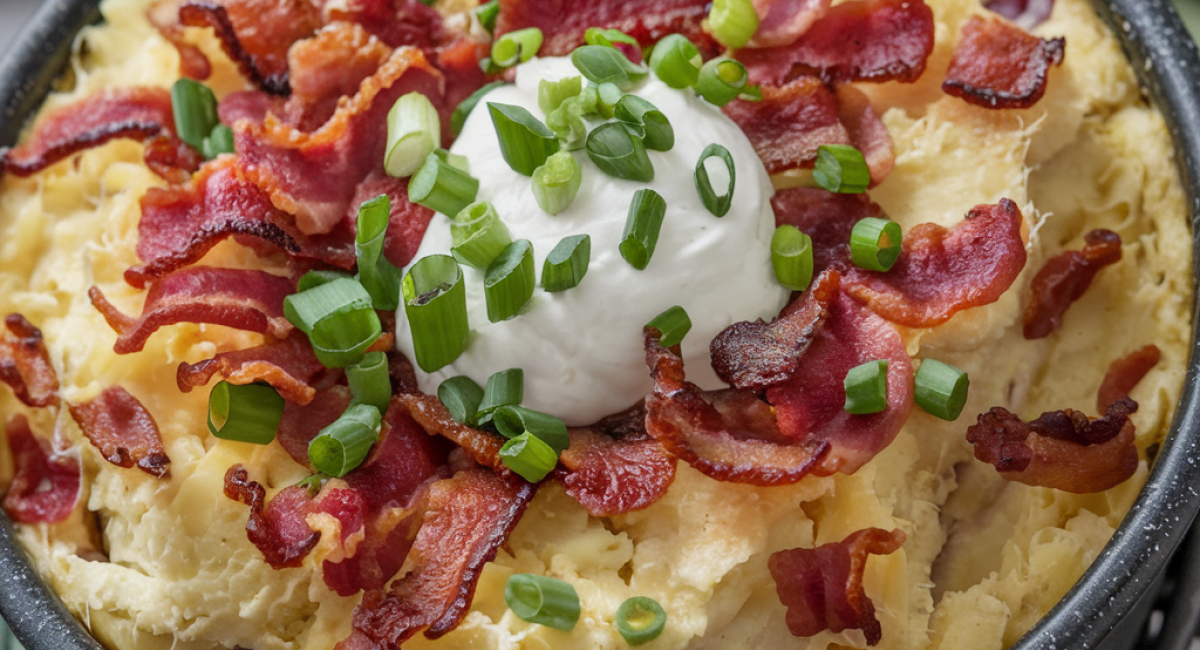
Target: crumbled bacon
25	363
826	217
482	446
564	23
1064	449
999	65
289	366
1065	278
406	222
118	425
45	486
790	122
1124	374
867	132
781	22
1025	13
246	300
395	22
330	65
278	530
302	422
822	587
864	40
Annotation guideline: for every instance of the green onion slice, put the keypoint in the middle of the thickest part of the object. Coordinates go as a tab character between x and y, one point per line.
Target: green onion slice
414	132
542	600
441	186
659	136
875	244
733	22
525	142
508	282
435	304
841	168
566	265
486	13
478	235
608	95
617	153
376	274
245	413
504	388
566	121
673	324
642	227
516	47
676	61
369	381
529	457
461	396
317	278
610	38
512	421
345	444
195	110
463	111
718	204
339	319
721	81
602	65
792	257
551	94
219	142
866	388
556	183
941	389
640	620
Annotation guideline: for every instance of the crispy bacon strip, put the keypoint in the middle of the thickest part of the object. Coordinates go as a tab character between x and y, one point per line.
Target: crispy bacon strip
790	122
164	16
781	22
394	22
1065	278
1063	449
999	65
118	425
828	218
1124	374
246	300
867	131
25	363
289	366
564	22
302	422
330	65
1025	13
822	587
46	485
278	530
864	40
407	221
482	446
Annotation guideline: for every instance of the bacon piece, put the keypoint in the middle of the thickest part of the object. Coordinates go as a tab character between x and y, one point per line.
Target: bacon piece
330	65
867	131
822	587
395	22
289	366
123	430
45	486
999	65
132	113
482	446
1025	13
407	221
1064	279
278	530
827	217
864	40
615	466
1063	449
243	299
790	122
302	422
470	516
564	22
25	363
164	16
781	22
1124	374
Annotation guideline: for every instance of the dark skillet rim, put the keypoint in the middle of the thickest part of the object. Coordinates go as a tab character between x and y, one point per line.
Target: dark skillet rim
1162	53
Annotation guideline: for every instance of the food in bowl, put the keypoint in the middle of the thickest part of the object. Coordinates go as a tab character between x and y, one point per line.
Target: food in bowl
794	464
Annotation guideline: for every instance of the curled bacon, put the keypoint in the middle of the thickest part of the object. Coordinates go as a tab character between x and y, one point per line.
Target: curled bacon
25	363
428	411
827	217
330	65
302	422
564	23
246	300
781	22
395	22
1065	278
289	366
867	132
822	587
46	485
1064	449
407	221
790	122
999	65
1124	374
278	530
123	430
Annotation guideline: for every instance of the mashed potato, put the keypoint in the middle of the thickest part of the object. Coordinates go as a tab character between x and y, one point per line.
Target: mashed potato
984	559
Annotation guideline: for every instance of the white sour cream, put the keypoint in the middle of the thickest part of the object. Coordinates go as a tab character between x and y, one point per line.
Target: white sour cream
581	349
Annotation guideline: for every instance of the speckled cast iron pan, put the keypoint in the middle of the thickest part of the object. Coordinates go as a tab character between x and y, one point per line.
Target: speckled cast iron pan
1105	610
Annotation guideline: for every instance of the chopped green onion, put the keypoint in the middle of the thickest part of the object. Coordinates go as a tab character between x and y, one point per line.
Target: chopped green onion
659	135
486	13
642	227
542	600
717	204
369	381
461	396
875	244
610	38
442	187
640	620
529	456
617	153
478	235
489	66
317	278
454	160
345	444
841	168
676	61
313	483
941	389
508	282
414	131
602	64
512	421
556	183
245	413
566	121
339	319
551	94
219	142
516	47
504	388
722	80
525	142
733	22
195	110
607	97
435	303
566	265
792	257
463	111
376	274
866	388
673	324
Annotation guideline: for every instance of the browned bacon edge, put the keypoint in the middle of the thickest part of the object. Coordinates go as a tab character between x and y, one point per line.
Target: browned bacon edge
278	530
118	425
1064	279
289	366
998	65
25	363
1124	374
205	13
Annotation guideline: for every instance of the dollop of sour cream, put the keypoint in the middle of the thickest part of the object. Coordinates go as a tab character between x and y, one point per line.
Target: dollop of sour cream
581	349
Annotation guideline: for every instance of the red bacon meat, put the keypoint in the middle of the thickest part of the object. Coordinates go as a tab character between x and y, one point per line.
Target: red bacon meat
118	425
46	485
999	65
25	363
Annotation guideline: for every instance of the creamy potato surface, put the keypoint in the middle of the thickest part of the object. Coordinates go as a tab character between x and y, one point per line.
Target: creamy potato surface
984	558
